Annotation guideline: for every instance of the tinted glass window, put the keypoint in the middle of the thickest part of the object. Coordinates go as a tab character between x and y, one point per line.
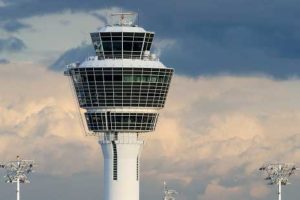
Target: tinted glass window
128	38
139	35
127	46
127	34
94	34
137	46
117	46
105	34
114	34
107	46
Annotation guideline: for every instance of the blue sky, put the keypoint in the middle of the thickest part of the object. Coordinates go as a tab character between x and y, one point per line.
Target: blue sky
233	103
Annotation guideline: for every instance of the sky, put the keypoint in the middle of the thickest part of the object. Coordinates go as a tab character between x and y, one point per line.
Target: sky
233	104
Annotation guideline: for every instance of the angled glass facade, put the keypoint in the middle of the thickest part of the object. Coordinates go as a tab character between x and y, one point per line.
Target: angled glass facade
121	87
128	45
121	122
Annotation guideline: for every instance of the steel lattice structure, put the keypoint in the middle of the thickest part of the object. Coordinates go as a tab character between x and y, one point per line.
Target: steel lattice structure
278	174
169	194
17	172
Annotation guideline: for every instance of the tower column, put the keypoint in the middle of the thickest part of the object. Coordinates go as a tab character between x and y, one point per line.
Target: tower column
121	154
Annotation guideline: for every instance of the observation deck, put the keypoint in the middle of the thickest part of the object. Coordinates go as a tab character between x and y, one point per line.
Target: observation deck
123	39
124	86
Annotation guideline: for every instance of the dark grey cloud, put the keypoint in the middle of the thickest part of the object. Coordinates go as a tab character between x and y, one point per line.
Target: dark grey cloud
17	9
209	58
13	26
3	61
77	54
249	36
11	44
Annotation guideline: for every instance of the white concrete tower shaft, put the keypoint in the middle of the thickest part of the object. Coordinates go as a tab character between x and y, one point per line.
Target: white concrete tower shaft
121	167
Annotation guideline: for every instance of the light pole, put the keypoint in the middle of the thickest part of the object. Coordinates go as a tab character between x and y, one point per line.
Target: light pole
169	194
17	171
278	174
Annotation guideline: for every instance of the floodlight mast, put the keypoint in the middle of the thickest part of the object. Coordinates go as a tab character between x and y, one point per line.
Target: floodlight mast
278	174
169	194
17	171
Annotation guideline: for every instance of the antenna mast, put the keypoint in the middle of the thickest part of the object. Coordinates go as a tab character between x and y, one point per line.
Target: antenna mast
124	19
17	171
278	174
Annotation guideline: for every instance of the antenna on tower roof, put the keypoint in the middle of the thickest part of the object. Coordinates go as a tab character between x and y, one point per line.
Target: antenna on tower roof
124	18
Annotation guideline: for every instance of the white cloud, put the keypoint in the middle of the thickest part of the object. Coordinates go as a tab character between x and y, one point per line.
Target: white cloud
215	191
3	4
39	121
225	127
52	34
259	191
161	45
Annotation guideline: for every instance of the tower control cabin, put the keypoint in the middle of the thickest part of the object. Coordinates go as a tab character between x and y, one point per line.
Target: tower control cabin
121	91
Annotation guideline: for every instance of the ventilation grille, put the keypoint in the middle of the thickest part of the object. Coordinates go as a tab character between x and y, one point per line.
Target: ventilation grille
115	161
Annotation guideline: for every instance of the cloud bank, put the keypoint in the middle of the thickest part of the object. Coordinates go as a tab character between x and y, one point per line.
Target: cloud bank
11	44
212	136
253	37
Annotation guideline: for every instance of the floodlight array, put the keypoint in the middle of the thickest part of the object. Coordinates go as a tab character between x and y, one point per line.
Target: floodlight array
18	170
280	172
169	194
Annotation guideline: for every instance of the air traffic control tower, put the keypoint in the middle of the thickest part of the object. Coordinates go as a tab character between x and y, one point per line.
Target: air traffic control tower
120	91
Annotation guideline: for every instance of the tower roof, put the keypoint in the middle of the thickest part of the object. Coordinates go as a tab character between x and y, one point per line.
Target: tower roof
127	63
115	28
